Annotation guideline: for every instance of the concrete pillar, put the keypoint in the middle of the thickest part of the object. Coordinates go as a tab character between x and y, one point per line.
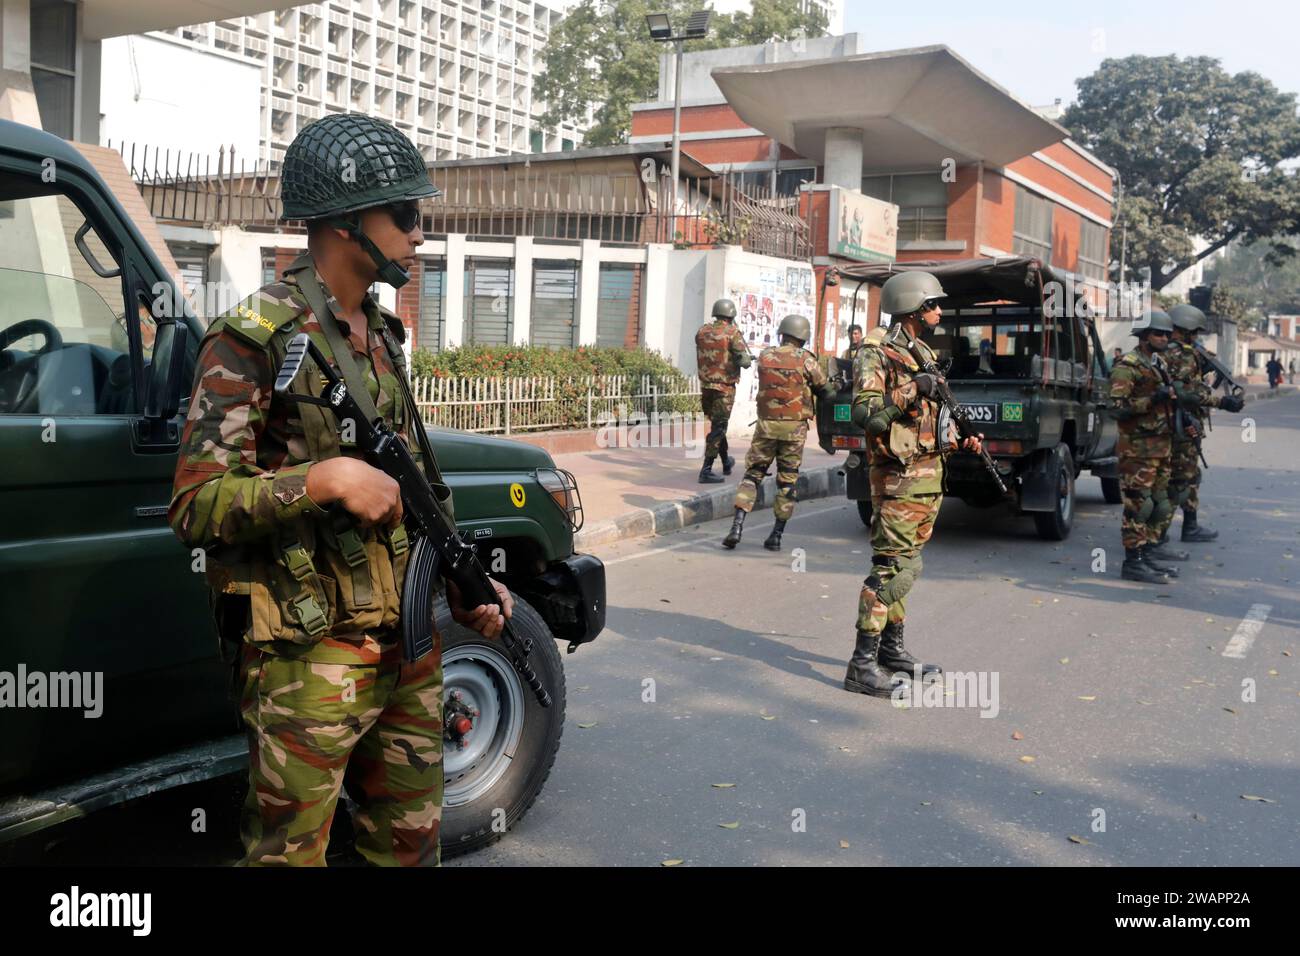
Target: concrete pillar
17	97
589	292
523	319
843	165
236	265
654	294
453	303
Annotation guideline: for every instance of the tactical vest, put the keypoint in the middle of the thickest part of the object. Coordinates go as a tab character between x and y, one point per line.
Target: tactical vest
783	392
1145	382
713	357
325	574
915	435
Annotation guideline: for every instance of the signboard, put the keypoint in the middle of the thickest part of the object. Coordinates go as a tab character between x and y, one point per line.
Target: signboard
862	227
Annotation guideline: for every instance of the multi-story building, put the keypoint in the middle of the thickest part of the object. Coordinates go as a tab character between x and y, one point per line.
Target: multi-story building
834	10
455	75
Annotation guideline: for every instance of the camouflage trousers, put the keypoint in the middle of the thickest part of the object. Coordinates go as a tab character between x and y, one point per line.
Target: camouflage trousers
716	405
1184	479
315	727
900	527
1144	483
788	453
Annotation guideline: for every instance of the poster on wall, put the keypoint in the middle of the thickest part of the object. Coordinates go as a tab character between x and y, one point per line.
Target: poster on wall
862	227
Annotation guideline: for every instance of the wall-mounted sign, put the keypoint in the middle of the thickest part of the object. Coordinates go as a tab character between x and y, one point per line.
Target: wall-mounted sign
862	227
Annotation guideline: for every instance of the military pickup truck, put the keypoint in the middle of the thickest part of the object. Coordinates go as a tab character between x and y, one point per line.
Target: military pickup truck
1030	371
112	684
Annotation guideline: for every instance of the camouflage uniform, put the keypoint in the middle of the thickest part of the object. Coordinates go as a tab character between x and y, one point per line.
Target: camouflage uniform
786	376
314	597
906	475
1145	439
1185	464
718	350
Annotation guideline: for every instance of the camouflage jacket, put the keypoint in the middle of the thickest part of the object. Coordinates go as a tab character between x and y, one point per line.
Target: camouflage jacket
1133	382
787	375
1185	369
240	488
720	354
852	351
907	460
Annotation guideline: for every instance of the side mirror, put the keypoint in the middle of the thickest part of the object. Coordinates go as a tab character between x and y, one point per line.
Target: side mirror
163	394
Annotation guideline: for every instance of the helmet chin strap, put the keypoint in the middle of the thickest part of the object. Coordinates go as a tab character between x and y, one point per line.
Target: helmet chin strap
389	271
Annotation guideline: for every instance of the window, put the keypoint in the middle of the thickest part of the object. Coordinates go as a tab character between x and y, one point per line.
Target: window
432	278
1031	232
990	341
922	201
1092	250
555	303
618	312
489	291
54	63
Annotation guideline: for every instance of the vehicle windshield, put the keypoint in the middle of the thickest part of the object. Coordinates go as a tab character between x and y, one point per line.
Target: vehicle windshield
990	341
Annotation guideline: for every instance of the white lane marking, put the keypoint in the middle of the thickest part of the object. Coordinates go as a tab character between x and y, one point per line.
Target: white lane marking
701	539
1247	631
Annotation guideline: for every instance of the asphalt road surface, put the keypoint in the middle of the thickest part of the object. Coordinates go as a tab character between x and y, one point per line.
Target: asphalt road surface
708	724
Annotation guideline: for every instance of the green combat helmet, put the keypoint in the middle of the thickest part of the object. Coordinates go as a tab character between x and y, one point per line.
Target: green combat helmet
905	292
795	326
347	162
724	309
1187	317
1153	321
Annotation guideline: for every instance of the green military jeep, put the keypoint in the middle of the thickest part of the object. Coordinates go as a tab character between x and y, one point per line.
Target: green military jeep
1036	387
111	679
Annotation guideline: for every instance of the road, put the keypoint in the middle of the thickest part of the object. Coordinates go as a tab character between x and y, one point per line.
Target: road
1118	719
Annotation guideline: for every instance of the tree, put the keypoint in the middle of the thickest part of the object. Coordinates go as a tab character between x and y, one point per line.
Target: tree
601	55
1200	152
1266	279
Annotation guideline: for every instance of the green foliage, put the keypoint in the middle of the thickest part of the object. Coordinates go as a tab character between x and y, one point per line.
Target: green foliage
601	55
1265	274
1201	153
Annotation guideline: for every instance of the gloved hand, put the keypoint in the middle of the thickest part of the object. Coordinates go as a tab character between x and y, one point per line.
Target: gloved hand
1161	394
860	416
1186	397
1232	403
879	423
926	383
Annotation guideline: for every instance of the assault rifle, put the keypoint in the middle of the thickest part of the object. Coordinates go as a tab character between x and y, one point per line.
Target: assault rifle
1210	363
438	549
1179	420
965	427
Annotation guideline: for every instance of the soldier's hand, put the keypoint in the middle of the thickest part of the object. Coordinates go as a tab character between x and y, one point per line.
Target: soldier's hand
487	619
366	493
926	383
1231	403
975	443
1161	394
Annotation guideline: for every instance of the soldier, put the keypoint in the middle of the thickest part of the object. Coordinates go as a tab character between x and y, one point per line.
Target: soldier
894	404
1198	398
306	549
786	376
1142	399
720	354
855	343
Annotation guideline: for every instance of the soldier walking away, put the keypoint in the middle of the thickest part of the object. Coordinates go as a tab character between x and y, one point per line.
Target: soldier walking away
306	550
1197	398
1142	400
786	377
855	343
894	403
720	354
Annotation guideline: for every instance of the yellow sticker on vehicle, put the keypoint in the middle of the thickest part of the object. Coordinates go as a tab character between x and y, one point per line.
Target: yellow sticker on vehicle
517	495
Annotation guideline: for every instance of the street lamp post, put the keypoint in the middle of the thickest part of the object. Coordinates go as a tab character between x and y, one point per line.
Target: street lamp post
661	31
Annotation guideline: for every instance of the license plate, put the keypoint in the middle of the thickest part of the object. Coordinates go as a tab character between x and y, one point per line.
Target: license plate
982	414
844	413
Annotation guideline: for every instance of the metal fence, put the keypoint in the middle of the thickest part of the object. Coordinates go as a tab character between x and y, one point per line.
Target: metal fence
614	205
507	405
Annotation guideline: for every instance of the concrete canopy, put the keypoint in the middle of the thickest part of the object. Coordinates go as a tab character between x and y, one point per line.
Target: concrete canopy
112	18
915	108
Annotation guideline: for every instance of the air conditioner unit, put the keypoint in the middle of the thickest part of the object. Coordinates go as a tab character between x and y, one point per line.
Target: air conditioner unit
304	38
301	87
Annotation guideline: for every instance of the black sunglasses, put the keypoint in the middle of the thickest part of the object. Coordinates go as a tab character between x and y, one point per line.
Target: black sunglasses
405	214
929	304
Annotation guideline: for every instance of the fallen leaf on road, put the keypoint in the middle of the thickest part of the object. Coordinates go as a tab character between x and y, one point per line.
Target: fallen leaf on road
1209	620
730	826
1230	710
767	716
925	803
1272	672
588	726
671	863
1251	796
1286	653
1065	660
1146	702
715	658
1017	735
723	786
1037	602
1037	793
1026	759
665	601
1198	817
1077	839
1091	697
1094	634
844	844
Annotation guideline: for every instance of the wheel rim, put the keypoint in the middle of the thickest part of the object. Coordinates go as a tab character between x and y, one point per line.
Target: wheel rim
488	684
1065	497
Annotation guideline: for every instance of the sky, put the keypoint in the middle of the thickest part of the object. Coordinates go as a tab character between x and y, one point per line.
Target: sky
1038	50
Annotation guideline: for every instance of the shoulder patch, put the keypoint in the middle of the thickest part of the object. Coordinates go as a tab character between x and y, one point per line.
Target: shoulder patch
875	336
273	308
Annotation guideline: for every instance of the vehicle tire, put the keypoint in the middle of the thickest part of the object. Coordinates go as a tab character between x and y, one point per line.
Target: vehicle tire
1055	525
504	769
864	511
1110	491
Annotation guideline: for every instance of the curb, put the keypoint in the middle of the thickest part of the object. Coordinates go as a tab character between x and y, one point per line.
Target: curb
815	483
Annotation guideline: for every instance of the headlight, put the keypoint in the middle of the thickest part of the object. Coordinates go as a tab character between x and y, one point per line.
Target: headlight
563	489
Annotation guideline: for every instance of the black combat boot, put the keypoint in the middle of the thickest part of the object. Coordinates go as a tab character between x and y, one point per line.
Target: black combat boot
1162	550
733	536
1196	532
894	657
1135	569
865	675
728	463
1144	553
707	477
773	542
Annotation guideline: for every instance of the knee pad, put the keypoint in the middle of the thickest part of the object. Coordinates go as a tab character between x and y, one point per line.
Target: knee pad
1146	506
1161	507
905	574
1177	494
